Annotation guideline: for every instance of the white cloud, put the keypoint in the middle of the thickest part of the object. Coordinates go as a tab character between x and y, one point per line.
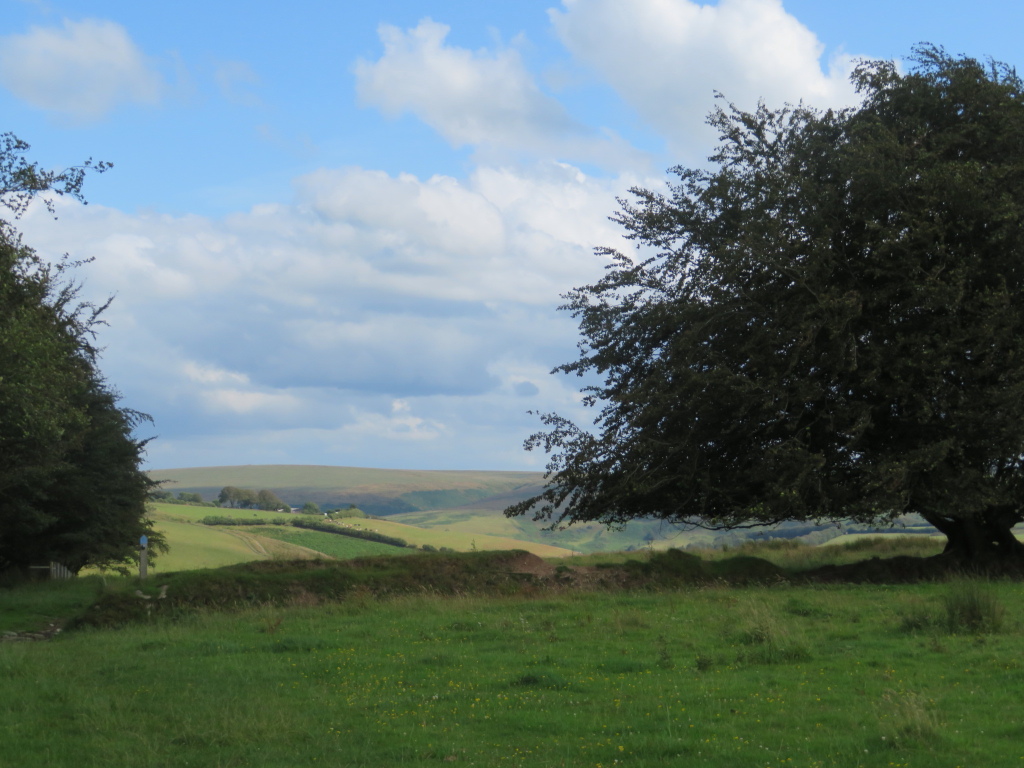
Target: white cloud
247	402
400	424
378	311
237	83
209	374
84	69
478	98
667	57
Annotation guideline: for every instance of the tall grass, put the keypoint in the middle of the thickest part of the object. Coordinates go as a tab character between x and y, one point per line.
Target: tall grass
972	607
792	554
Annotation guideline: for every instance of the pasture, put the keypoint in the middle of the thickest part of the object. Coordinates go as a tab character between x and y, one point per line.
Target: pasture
194	545
381	491
768	676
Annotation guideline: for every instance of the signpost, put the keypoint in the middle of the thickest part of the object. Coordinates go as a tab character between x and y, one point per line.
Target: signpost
143	556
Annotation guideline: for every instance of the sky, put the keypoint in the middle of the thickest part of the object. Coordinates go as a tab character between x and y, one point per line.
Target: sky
338	233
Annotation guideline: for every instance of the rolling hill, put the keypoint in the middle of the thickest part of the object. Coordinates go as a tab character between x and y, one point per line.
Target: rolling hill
378	492
453	506
459	509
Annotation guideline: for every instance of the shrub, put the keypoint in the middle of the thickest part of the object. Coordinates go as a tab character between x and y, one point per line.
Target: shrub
356	533
225	520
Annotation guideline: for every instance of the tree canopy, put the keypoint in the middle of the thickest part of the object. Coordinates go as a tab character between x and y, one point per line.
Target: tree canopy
826	324
71	486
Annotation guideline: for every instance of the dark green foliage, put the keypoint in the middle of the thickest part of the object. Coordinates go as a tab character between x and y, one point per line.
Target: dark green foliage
827	325
309	523
356	533
229	496
244	498
225	520
309	582
70	485
269	502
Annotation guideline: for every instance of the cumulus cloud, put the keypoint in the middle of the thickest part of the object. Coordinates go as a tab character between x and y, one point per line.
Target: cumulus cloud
478	98
667	57
377	311
83	69
400	424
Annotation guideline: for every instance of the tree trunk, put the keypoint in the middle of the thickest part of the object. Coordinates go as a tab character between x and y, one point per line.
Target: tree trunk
984	541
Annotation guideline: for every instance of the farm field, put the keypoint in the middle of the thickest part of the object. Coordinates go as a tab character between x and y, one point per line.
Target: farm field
201	546
460	541
329	544
578	538
831	677
379	491
466	504
460	502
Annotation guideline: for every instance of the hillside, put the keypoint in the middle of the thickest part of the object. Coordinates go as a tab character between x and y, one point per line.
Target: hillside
377	491
445	505
193	545
454	508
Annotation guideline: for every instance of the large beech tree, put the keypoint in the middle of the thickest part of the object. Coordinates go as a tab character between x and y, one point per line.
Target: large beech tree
827	324
71	485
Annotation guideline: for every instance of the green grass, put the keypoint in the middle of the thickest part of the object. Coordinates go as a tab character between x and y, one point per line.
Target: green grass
795	555
296	483
767	677
196	546
33	606
332	545
200	546
460	541
587	538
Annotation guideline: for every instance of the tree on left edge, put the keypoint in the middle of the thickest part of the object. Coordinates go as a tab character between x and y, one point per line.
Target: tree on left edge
71	485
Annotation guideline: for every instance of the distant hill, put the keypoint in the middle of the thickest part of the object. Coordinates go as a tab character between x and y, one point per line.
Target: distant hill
376	491
461	505
453	505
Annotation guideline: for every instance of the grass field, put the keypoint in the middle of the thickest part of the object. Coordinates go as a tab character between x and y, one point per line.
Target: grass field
772	677
460	541
578	538
408	489
342	547
461	503
201	546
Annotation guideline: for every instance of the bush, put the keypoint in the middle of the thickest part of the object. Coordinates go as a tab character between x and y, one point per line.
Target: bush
224	520
350	511
320	525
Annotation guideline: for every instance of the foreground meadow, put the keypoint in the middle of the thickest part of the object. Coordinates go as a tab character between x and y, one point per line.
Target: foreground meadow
777	677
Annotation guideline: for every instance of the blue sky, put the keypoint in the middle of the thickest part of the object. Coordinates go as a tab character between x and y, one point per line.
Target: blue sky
337	233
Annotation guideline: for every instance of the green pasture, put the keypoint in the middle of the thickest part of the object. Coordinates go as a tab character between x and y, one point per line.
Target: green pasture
34	606
199	546
196	513
460	541
772	677
332	545
195	546
578	538
419	488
